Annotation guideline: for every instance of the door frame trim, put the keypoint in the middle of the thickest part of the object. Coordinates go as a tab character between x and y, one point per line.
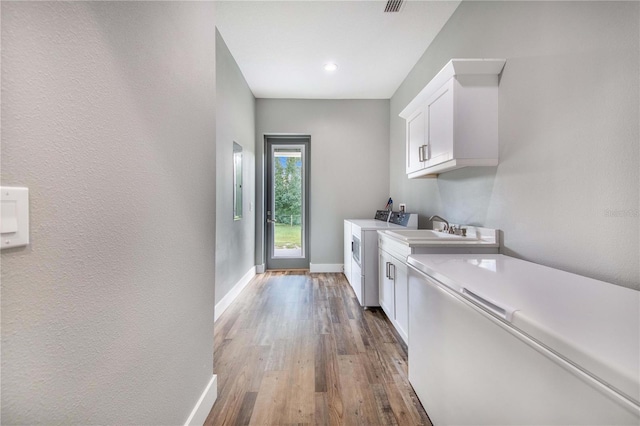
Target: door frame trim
287	139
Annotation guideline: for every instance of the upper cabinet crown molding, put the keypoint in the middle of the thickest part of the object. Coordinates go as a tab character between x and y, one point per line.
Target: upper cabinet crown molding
453	121
452	68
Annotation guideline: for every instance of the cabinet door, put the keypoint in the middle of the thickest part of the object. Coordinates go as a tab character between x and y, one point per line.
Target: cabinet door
386	290
347	250
400	277
416	141
439	112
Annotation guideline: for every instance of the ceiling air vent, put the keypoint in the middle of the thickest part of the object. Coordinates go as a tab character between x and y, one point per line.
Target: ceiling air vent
393	6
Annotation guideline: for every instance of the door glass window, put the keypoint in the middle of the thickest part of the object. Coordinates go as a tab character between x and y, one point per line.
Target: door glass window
288	197
287	202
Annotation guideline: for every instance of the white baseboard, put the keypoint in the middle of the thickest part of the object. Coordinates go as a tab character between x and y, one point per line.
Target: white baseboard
228	298
260	269
325	267
204	405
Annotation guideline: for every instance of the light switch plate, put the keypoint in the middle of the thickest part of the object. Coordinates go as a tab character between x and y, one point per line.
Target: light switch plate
14	217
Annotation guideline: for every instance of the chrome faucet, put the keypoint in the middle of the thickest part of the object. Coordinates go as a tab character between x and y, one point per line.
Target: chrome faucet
440	219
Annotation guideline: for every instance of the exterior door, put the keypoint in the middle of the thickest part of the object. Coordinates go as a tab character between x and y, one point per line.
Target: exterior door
287	209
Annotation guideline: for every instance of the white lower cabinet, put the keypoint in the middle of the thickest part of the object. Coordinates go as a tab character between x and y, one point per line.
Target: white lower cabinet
394	292
386	290
393	274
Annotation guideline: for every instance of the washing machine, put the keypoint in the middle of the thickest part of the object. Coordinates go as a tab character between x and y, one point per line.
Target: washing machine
361	251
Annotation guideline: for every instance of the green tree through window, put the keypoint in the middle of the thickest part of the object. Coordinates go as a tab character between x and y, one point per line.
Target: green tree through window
288	190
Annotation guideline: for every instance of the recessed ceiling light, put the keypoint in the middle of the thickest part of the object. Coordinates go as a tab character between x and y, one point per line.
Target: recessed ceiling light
330	66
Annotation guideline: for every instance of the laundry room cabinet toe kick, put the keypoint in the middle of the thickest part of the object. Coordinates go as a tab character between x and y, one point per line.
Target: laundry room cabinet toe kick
393	273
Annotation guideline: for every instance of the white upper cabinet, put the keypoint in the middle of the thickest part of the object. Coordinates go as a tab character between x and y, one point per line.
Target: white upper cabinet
453	121
416	127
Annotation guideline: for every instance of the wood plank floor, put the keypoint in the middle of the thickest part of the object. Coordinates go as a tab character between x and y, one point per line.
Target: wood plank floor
297	349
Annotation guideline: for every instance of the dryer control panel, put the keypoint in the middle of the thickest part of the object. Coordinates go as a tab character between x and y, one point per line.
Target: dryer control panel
409	220
382	215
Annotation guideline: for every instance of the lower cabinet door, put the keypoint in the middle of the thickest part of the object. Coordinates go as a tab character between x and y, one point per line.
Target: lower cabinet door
386	290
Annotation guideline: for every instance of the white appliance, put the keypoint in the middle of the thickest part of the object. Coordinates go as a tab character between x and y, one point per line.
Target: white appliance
361	251
496	340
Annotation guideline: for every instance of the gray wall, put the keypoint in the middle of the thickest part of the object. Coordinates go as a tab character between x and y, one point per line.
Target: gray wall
108	116
235	121
566	190
349	163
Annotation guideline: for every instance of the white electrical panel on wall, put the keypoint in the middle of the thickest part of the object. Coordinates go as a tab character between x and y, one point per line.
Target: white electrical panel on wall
14	217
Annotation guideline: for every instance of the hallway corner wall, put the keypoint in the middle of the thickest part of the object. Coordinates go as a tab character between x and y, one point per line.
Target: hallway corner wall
108	117
235	122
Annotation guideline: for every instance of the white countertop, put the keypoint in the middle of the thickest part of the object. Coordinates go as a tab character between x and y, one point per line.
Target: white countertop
592	323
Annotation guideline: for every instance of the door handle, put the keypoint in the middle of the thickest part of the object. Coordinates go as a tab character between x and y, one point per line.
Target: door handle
273	221
420	153
394	272
387	269
424	152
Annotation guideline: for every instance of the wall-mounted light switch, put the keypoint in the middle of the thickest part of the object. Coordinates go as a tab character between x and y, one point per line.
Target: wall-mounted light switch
14	217
9	219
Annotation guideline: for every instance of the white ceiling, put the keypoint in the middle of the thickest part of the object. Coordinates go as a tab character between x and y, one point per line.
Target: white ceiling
281	46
